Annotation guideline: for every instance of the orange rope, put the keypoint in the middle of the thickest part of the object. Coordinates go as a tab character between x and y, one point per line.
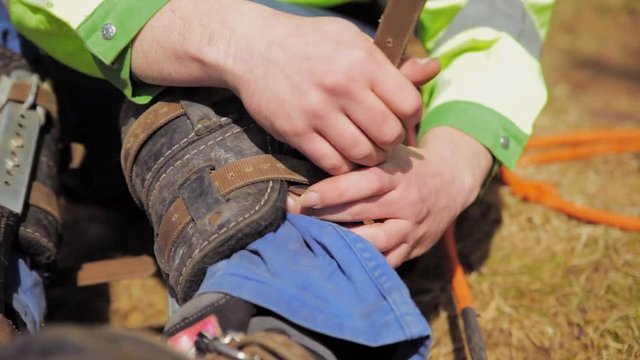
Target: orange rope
581	145
461	293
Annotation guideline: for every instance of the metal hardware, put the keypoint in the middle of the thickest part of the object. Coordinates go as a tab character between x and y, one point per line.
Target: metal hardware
108	31
19	130
505	142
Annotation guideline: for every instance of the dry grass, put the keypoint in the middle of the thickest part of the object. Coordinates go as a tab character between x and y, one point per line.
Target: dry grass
553	287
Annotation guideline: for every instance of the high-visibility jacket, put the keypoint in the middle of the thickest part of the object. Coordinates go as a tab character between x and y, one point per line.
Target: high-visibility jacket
491	86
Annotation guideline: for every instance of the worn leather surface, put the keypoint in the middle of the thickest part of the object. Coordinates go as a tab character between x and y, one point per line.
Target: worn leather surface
171	170
39	233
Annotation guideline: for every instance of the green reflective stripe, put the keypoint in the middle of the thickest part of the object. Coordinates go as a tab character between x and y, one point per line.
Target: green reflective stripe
540	11
435	18
128	17
484	124
509	16
119	74
52	35
490	68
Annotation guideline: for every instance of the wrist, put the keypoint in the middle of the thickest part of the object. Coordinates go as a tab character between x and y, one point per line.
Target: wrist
468	161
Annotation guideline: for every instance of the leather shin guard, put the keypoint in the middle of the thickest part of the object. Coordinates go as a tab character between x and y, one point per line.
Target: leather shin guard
210	179
39	233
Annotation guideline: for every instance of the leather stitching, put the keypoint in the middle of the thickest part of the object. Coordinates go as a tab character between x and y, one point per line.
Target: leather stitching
155	188
159	162
197	251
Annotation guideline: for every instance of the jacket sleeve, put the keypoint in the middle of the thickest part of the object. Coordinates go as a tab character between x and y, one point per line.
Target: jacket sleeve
91	36
491	86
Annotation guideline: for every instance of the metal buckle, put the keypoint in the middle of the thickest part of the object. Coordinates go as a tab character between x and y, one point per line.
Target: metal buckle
220	345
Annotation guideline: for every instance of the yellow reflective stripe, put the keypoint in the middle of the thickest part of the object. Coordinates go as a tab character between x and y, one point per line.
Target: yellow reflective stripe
490	68
71	12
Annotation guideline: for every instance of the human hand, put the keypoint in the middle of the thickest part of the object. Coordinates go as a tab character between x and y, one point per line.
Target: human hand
414	195
318	84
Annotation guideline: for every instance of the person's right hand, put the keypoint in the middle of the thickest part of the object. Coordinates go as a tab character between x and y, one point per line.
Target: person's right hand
318	84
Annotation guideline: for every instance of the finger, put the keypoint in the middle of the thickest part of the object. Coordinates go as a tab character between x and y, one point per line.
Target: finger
376	120
420	70
375	207
399	95
398	255
387	235
349	187
320	152
351	142
293	204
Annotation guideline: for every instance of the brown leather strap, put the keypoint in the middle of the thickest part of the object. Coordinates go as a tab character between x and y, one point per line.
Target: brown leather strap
148	123
171	225
19	92
396	26
44	198
243	172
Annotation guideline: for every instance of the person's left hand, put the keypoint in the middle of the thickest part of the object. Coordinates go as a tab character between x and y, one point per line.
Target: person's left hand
413	196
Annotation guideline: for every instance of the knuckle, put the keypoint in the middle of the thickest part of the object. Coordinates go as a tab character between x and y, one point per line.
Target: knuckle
363	155
315	107
411	106
292	132
391	137
334	165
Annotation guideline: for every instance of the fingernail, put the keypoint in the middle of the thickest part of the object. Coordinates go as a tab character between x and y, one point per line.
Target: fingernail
425	61
291	204
310	199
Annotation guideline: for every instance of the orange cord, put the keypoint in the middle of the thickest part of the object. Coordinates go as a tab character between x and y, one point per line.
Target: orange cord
461	292
580	145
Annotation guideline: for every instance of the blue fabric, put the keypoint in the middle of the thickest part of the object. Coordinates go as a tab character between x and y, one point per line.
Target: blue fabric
27	293
325	278
8	34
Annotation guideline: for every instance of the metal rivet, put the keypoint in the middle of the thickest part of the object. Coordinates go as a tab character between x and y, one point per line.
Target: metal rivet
11	163
16	143
505	142
108	31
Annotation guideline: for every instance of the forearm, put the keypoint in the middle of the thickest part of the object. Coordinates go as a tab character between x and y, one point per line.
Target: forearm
195	43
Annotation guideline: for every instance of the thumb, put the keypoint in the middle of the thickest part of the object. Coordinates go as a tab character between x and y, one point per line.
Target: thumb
420	70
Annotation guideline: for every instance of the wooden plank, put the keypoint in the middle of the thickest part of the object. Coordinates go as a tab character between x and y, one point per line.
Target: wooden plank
104	271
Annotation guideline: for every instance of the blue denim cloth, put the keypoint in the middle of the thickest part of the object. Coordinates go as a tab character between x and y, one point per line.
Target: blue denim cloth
325	278
27	293
8	35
